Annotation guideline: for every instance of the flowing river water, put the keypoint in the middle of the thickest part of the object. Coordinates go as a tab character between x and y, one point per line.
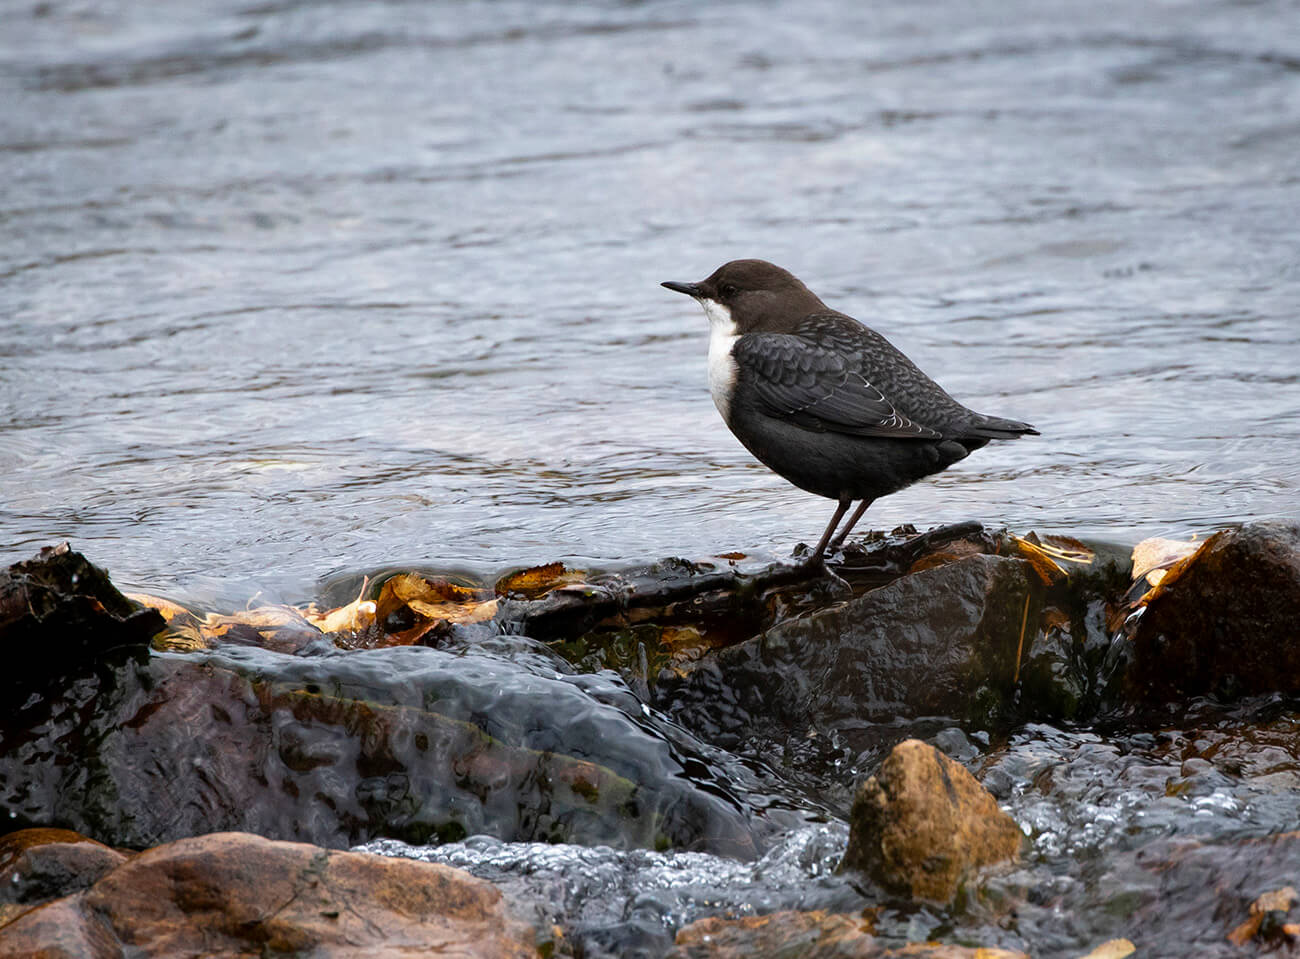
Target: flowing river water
291	291
288	288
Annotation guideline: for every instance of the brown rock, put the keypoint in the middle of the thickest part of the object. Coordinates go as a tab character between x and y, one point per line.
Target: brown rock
1225	620
808	935
235	894
37	865
922	822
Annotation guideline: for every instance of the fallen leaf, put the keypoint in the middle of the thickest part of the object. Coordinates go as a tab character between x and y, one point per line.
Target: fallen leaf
537	581
1279	900
1153	557
1066	549
355	616
1046	557
169	610
435	599
1112	949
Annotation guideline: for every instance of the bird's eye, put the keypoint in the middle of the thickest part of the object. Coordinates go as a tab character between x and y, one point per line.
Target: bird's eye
728	290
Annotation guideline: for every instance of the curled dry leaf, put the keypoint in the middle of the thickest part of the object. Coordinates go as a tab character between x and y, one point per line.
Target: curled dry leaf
438	599
354	617
407	607
1153	557
170	611
538	580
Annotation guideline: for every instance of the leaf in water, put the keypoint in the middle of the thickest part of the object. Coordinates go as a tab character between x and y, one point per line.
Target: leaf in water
169	610
1279	900
354	617
184	633
280	628
1153	557
435	599
538	580
1112	949
407	609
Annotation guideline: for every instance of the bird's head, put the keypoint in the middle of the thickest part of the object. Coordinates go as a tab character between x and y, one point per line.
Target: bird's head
753	296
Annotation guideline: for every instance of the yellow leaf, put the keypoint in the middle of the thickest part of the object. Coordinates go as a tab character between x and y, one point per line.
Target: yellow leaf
1112	949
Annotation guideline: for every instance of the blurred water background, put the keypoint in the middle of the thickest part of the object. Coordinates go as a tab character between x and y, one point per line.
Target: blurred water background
290	289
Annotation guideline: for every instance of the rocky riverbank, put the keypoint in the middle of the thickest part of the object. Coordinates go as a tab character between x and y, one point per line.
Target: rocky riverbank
963	737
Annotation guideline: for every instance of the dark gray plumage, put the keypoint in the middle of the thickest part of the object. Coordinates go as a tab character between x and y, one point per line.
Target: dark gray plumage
821	399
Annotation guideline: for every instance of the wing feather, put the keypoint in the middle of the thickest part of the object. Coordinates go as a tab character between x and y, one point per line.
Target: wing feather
815	388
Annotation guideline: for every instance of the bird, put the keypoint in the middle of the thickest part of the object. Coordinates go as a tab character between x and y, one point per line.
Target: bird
823	400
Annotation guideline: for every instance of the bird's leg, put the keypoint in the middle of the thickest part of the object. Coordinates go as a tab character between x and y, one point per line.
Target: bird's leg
853	521
820	548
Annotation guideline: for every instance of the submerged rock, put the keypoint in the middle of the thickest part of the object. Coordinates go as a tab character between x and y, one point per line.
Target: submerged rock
1223	621
922	823
338	748
1226	898
236	894
808	935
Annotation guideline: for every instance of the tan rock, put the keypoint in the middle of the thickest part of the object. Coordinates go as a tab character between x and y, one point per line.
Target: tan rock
37	865
923	822
808	935
235	894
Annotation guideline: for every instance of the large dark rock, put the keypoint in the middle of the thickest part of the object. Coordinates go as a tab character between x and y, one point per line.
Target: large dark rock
240	895
1224	621
58	612
922	823
940	642
338	748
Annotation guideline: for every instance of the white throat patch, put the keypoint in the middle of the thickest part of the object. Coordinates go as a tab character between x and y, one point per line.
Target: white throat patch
722	365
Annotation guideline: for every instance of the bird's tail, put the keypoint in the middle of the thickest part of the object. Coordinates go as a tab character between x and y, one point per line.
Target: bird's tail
997	428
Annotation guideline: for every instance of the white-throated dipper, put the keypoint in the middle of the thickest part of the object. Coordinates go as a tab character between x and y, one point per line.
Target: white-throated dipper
821	399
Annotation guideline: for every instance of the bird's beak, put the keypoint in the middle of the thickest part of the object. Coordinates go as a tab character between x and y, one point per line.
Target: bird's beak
690	289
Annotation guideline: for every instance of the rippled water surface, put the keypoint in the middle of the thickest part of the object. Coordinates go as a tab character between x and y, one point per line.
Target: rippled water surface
290	288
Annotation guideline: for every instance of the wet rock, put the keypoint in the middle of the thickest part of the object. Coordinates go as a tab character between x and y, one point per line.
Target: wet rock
1224	621
236	894
339	748
37	865
809	935
57	611
1231	898
671	590
1052	680
923	822
940	642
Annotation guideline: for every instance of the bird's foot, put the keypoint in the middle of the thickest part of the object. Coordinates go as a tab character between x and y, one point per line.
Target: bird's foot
835	584
814	564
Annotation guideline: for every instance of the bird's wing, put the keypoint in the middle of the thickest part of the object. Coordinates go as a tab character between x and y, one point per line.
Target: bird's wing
816	388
